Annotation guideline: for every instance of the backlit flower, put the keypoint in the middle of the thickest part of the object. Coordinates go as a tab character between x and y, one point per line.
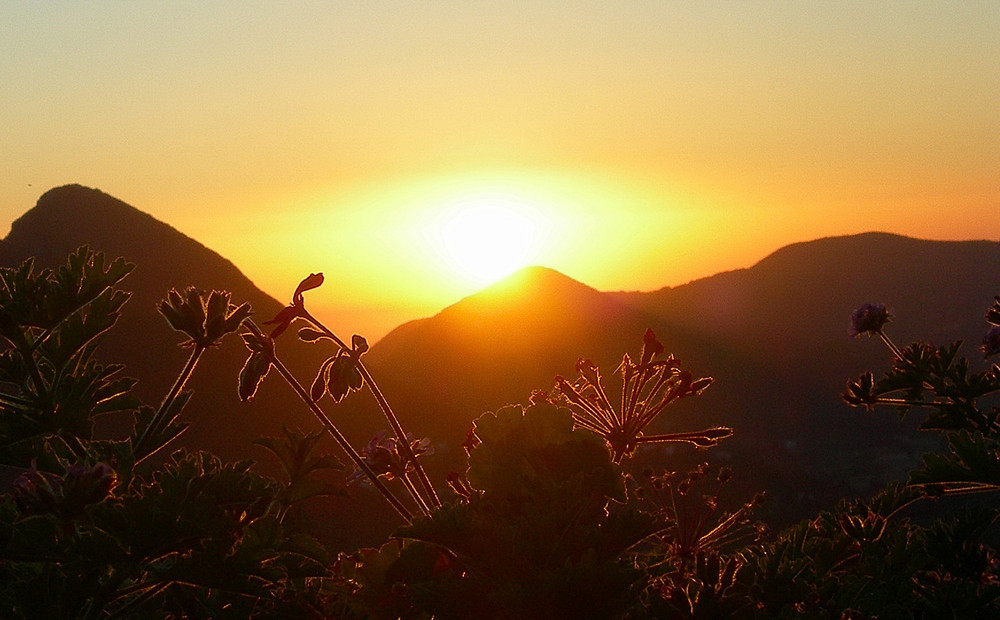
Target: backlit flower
384	457
991	342
869	319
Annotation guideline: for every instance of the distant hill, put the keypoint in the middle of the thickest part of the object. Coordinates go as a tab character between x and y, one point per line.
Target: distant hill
774	336
70	216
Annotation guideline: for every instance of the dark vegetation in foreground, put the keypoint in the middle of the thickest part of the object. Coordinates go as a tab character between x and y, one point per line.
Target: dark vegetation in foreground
552	517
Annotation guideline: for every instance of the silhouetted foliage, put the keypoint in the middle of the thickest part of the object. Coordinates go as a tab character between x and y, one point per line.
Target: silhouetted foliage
543	522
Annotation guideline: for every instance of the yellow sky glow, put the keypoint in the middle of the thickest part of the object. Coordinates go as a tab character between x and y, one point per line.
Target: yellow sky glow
644	144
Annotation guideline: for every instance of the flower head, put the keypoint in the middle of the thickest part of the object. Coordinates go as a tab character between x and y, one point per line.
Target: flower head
204	317
991	342
647	387
869	319
294	310
36	492
384	456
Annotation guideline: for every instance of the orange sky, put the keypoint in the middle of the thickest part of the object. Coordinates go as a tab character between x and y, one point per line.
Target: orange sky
639	144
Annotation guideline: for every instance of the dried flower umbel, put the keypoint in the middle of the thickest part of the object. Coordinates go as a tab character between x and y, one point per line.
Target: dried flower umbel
647	388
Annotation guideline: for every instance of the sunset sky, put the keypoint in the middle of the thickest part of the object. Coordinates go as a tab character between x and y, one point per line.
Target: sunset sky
630	145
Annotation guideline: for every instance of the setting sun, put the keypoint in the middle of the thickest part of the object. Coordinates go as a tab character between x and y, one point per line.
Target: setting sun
486	239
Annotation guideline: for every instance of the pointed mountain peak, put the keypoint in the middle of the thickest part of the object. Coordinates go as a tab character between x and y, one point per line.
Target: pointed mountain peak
532	279
68	207
527	288
71	215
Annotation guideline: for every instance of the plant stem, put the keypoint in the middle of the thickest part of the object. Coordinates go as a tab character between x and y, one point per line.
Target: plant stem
401	435
332	428
383	404
424	508
889	343
159	421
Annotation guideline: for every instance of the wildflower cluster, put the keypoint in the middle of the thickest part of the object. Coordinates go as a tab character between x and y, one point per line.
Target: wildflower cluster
384	456
647	387
38	493
869	319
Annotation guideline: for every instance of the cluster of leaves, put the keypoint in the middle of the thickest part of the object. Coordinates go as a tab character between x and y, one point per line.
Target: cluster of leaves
546	526
94	527
960	402
545	522
868	558
862	559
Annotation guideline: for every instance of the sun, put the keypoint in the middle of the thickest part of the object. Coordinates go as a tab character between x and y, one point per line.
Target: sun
485	239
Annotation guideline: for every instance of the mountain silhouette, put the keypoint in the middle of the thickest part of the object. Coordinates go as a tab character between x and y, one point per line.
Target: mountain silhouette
774	336
70	216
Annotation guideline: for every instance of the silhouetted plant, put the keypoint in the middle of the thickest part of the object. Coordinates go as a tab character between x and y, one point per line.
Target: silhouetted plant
541	534
647	388
694	561
337	376
93	528
865	559
542	525
295	453
937	380
543	522
205	322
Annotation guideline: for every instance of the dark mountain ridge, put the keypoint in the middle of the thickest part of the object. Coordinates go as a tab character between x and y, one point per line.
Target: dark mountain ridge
774	336
164	258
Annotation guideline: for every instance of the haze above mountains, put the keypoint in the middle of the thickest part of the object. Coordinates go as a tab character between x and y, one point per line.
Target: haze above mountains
774	336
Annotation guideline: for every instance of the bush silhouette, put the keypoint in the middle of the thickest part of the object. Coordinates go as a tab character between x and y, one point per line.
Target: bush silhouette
551	518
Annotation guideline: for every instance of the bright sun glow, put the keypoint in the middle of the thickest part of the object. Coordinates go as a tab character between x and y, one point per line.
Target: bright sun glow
486	239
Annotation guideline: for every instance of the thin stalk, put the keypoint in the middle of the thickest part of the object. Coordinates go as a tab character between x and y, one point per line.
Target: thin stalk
13	401
401	435
906	402
26	353
690	437
333	430
421	502
607	403
889	343
588	424
149	594
383	404
159	419
596	415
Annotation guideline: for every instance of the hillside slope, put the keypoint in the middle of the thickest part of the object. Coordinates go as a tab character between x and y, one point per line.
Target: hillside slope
70	216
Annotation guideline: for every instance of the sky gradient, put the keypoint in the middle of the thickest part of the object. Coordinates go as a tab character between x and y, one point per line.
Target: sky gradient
645	143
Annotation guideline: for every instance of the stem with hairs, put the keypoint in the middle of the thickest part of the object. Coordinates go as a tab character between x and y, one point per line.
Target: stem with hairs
159	421
332	428
383	404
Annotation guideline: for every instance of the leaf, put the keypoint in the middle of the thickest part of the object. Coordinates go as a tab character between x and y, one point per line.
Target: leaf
971	464
252	373
308	334
537	450
307	488
343	376
295	453
237	316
